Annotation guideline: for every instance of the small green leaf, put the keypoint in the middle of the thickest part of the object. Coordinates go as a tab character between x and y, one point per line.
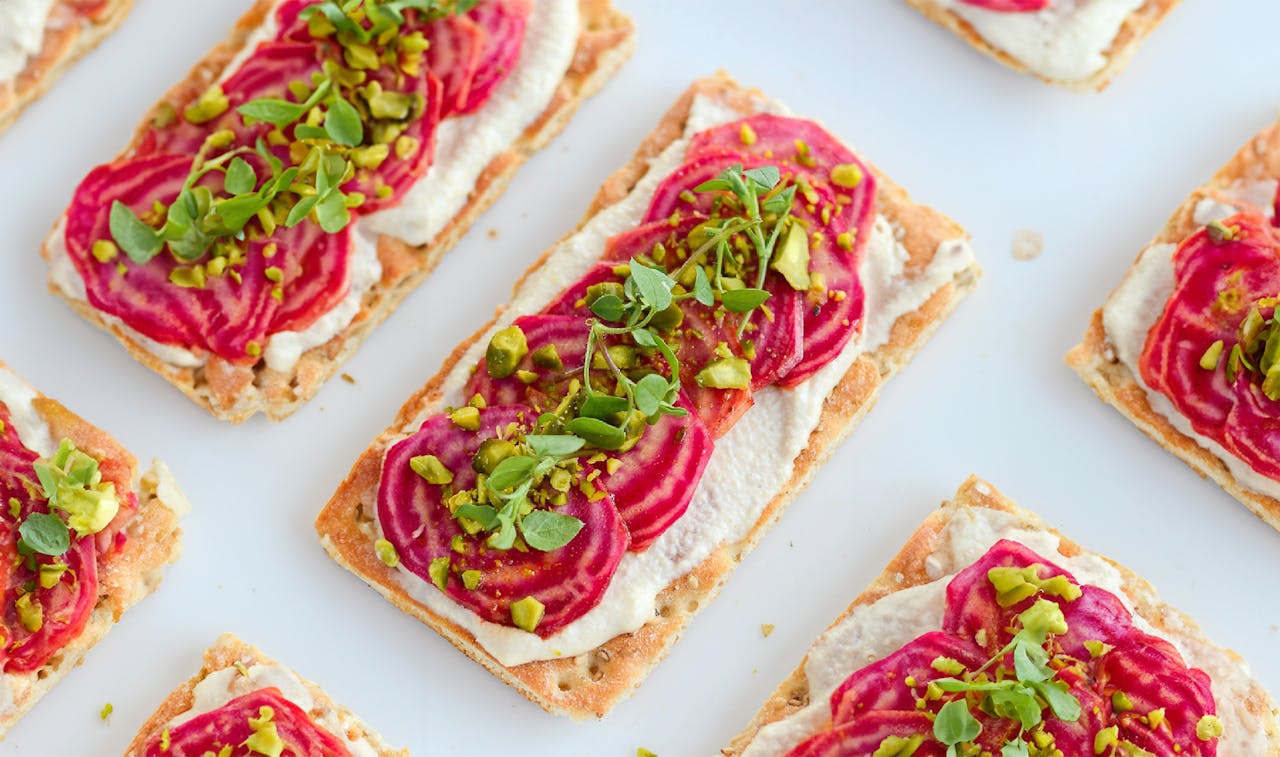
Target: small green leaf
1014	749
546	531
955	724
301	210
332	213
1027	668
608	306
272	111
45	534
650	393
511	472
702	288
598	433
1064	705
644	338
307	131
486	516
653	285
554	445
743	300
343	123
767	177
241	177
602	407
780	203
138	240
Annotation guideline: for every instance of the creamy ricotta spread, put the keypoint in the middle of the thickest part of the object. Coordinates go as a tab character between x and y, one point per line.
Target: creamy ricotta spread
1134	307
22	25
735	487
1067	41
221	686
872	632
465	146
19	397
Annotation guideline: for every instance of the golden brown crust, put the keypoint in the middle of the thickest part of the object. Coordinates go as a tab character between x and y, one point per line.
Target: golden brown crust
235	393
1136	27
907	569
592	683
68	37
154	541
1096	362
229	651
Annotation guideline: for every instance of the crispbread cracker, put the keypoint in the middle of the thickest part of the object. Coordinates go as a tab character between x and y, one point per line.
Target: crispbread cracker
227	652
907	569
63	45
1096	362
1136	27
235	393
592	683
125	577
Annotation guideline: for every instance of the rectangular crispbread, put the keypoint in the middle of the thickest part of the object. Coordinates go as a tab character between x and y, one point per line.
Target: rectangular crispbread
227	652
64	43
125	577
235	393
592	683
1095	358
1135	28
908	569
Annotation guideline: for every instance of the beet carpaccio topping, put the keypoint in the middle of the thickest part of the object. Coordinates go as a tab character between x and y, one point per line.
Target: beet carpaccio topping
1028	662
1010	6
1215	351
262	722
590	423
60	516
231	220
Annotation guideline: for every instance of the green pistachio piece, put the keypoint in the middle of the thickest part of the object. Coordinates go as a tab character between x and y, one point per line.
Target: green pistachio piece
105	250
899	746
667	321
392	105
188	277
792	260
1155	718
361	57
492	452
1212	356
506	349
1013	585
209	106
725	373
370	156
1209	727
30	613
1105	739
1096	648
527	613
561	479
406	146
947	665
846	176
623	355
1120	702
386	553
431	470
466	418
51	574
439	572
471	579
596	291
265	739
747	135
548	358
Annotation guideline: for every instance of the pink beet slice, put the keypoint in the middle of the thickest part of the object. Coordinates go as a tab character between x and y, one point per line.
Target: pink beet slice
228	726
864	736
457	43
267	73
1009	6
1239	271
679	447
1151	673
1095	712
224	317
504	23
830	318
881	685
568	581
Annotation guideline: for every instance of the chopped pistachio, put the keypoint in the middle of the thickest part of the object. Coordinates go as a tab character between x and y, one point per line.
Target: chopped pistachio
947	665
845	241
370	156
548	357
1013	585
1106	738
30	613
274	274
747	135
766	629
393	105
265	739
527	613
252	349
899	746
490	454
1220	232
792	260
1120	702
725	373
439	572
1212	356
431	469
164	116
506	349
386	553
1155	718
478	402
361	57
1097	648
561	480
1209	727
526	377
406	147
458	544
51	574
209	106
471	579
466	418
188	277
105	251
106	711
164	740
846	176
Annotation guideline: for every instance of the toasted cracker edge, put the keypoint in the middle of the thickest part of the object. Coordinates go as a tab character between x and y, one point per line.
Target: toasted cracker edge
1136	27
907	569
592	683
226	652
235	393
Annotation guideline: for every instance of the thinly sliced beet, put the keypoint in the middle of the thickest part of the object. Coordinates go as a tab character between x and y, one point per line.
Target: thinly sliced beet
568	581
831	315
228	726
680	447
1077	737
1151	674
457	44
267	73
881	685
1010	6
864	736
504	23
386	185
224	316
1217	284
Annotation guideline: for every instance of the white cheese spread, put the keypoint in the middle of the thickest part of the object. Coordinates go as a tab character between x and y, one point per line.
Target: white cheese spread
874	631
221	686
18	397
1134	307
1067	41
735	487
22	25
465	147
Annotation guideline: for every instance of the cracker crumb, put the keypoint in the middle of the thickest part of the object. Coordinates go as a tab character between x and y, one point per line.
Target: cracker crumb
1027	244
766	629
492	233
347	377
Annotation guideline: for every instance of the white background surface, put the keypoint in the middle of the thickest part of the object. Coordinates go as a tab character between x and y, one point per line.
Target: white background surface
1096	174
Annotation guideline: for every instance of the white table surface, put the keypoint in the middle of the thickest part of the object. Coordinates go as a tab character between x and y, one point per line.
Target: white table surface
1096	174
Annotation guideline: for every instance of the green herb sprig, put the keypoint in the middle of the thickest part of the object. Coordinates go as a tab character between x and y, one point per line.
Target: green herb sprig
380	16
